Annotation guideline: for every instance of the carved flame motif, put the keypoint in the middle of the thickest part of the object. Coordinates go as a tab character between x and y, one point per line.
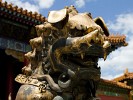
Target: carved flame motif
63	61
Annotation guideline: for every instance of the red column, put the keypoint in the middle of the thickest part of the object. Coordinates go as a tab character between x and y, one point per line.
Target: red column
104	97
9	81
26	61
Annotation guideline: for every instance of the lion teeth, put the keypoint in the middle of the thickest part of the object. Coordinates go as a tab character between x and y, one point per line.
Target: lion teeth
105	55
106	44
82	56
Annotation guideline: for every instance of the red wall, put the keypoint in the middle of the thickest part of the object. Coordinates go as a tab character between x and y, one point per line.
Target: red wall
103	97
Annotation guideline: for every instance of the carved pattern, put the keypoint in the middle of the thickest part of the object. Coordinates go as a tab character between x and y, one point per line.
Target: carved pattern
65	56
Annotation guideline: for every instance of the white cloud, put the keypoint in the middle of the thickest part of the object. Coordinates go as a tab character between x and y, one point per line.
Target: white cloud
32	5
109	76
25	5
123	23
81	3
45	3
122	58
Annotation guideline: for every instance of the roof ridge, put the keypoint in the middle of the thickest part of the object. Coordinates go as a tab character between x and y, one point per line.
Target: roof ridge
22	11
120	84
126	75
116	39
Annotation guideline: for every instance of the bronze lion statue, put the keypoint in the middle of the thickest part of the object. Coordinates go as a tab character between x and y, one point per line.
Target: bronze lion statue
63	63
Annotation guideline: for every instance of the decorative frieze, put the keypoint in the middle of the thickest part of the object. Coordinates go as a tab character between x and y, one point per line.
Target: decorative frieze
6	43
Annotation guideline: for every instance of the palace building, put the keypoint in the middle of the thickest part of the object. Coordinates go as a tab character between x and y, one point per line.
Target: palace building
119	88
17	28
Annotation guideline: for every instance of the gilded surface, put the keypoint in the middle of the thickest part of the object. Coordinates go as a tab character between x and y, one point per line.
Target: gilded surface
63	63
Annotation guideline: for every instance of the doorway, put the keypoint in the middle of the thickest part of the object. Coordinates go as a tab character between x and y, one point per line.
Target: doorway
9	69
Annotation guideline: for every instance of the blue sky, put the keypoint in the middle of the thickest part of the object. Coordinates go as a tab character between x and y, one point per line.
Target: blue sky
118	15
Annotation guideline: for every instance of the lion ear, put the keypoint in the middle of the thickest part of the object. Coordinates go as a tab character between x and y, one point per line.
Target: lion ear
101	23
57	16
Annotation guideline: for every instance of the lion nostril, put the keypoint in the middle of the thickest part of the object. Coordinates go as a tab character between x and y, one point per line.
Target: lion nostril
92	41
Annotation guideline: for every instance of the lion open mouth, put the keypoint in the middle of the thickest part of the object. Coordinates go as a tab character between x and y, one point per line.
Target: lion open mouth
79	54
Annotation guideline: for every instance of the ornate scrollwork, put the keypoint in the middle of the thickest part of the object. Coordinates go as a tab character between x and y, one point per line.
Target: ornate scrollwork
65	57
